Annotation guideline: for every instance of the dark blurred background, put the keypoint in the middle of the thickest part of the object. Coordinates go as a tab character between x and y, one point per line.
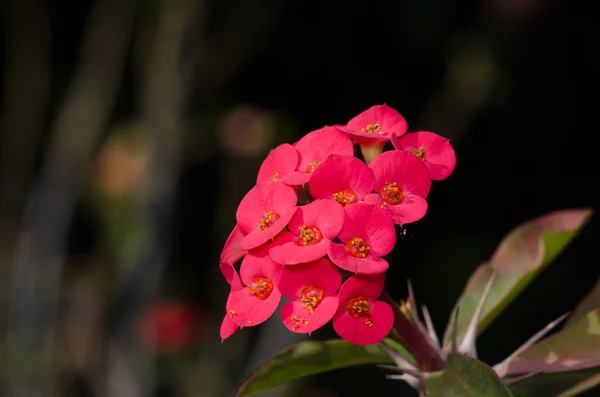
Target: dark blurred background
131	129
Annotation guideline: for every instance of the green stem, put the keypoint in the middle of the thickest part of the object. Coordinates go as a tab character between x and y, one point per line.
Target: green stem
371	150
426	355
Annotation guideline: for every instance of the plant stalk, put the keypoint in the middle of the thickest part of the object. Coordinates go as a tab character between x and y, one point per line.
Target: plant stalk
427	356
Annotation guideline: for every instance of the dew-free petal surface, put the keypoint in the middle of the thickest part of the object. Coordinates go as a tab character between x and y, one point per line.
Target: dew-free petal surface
228	327
372	225
411	209
369	286
286	250
280	161
299	319
319	144
339	173
371	264
321	273
403	168
258	264
249	310
440	157
262	198
326	214
358	331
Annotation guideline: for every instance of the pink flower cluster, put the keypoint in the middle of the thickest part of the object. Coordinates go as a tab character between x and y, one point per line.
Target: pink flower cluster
301	248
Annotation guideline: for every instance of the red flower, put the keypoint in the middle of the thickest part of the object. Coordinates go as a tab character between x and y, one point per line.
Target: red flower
264	211
232	252
313	226
312	288
402	183
228	327
378	124
315	147
368	234
344	179
293	237
256	302
281	161
360	318
171	325
435	151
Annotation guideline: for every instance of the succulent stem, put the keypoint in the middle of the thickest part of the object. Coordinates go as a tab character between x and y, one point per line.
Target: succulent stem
417	343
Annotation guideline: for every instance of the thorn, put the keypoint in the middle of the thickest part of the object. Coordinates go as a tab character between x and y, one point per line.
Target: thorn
389	367
415	382
411	294
512	381
412	301
399	377
468	344
430	328
453	347
402	364
414	312
502	368
416	373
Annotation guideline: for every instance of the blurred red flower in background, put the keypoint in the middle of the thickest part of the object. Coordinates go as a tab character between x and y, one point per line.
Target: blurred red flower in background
171	325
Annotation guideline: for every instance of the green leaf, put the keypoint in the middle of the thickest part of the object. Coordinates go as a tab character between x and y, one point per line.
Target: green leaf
520	257
587	304
465	377
310	358
398	348
551	384
582	386
573	348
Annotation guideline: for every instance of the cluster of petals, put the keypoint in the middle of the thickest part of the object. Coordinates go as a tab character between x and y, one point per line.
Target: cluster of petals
318	224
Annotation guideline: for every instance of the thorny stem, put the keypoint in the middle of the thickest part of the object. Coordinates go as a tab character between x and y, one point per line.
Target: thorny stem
426	355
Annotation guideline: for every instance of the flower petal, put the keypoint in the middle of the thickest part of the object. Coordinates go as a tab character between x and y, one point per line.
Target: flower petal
296	178
286	250
319	144
279	162
338	173
299	319
371	264
325	214
321	273
228	327
247	310
261	199
391	124
362	332
440	157
259	237
232	252
368	286
404	169
258	264
371	224
411	209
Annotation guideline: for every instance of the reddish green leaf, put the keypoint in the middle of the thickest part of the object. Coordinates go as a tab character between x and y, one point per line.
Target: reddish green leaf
310	358
587	304
522	254
465	377
575	347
